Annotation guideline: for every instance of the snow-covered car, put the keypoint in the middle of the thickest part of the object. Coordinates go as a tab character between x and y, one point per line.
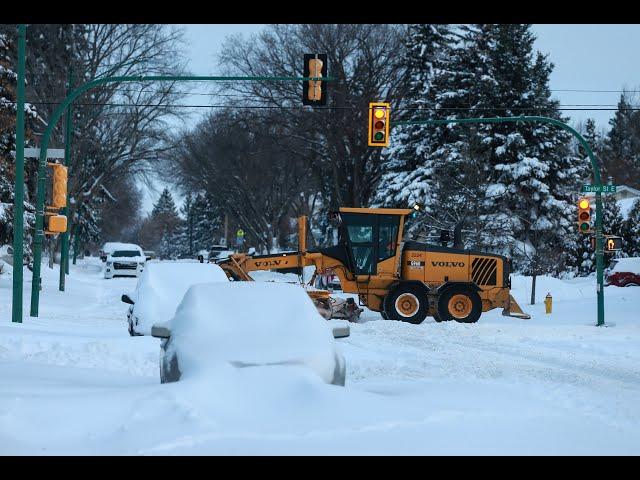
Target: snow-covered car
218	252
248	324
126	259
160	290
624	272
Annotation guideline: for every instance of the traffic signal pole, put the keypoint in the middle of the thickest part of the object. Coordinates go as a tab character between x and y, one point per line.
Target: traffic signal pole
596	177
18	204
55	117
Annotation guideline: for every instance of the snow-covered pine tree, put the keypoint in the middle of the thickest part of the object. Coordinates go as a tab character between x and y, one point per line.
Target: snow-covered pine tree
8	79
533	172
407	174
631	232
166	223
208	222
579	256
613	223
622	145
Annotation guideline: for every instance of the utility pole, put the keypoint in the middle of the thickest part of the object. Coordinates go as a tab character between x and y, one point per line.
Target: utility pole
18	204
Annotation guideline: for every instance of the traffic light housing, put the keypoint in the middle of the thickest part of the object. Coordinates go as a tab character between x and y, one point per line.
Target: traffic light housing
59	186
584	215
314	92
54	223
379	124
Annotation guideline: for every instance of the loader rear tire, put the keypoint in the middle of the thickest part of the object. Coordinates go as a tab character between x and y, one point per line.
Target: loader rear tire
407	303
461	304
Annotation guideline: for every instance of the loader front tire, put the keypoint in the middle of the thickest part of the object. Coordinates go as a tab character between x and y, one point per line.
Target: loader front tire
461	304
407	303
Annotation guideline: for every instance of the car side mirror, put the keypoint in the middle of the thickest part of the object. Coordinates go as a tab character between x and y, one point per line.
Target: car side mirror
341	331
127	299
251	251
160	332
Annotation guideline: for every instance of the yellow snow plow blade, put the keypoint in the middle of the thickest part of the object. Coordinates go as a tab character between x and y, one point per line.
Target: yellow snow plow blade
513	310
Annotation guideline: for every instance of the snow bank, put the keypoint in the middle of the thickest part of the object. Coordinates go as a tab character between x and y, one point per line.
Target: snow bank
250	323
162	286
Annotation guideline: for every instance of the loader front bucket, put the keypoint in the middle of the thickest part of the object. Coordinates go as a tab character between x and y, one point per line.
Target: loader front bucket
513	310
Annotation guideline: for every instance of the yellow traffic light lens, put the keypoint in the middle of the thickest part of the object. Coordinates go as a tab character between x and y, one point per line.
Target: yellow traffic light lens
584	203
378	113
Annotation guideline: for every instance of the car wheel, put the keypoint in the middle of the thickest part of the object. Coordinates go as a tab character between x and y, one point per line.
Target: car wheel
407	303
461	304
169	370
384	315
131	332
631	284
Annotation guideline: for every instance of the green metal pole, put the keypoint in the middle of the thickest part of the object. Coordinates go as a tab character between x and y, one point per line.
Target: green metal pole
75	93
596	177
64	240
18	203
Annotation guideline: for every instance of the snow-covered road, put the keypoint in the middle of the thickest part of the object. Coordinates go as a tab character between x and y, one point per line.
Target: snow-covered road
74	382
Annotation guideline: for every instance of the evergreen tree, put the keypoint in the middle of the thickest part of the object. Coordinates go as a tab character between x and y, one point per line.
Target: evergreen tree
631	232
622	145
8	79
408	175
166	226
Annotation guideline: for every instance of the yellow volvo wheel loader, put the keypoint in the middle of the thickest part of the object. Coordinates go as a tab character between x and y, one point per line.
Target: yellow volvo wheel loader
403	280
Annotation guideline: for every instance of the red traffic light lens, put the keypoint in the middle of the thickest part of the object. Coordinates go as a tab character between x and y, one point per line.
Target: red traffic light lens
379	125
584	216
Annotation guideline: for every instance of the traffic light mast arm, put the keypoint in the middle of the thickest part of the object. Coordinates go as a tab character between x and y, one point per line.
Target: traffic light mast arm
595	166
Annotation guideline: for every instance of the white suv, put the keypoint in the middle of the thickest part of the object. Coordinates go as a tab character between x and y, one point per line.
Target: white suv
126	259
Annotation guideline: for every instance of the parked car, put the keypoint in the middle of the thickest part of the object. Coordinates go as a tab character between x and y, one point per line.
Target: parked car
624	272
160	290
150	255
125	260
249	324
218	252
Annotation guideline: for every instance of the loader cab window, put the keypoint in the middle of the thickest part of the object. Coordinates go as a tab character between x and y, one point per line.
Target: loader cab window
388	236
371	238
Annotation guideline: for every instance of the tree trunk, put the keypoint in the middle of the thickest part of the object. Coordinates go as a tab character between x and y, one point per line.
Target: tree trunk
533	288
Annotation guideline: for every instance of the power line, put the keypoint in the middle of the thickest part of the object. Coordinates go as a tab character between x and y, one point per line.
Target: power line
300	107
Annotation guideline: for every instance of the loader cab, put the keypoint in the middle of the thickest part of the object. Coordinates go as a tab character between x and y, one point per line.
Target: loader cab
370	237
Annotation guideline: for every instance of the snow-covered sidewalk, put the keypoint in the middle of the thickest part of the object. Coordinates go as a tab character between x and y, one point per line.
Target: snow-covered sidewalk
74	382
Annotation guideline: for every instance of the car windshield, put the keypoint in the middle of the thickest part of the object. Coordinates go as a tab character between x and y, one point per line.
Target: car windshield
125	253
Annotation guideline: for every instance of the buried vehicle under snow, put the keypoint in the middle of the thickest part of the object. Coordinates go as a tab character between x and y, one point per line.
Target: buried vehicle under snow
253	324
160	290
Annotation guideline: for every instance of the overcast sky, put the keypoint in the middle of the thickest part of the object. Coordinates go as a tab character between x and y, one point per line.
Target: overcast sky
586	57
